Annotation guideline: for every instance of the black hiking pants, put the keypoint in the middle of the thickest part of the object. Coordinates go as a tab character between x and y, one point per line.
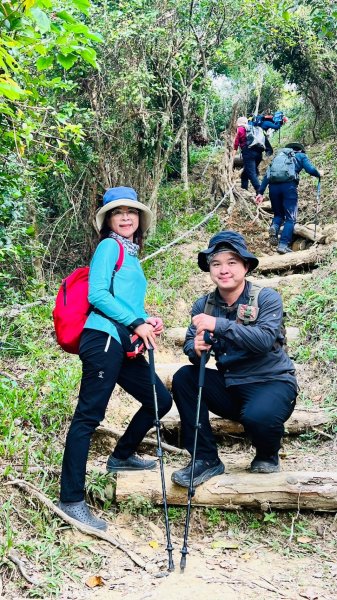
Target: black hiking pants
251	160
104	365
262	408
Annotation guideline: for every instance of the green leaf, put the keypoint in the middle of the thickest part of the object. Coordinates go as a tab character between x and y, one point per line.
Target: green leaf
30	230
82	5
65	16
89	55
66	61
11	90
41	19
44	62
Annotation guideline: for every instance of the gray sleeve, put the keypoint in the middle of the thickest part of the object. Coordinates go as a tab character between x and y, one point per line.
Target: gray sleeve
260	337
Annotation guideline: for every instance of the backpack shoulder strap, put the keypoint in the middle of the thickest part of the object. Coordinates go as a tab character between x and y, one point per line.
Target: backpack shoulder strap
210	303
248	313
118	265
120	257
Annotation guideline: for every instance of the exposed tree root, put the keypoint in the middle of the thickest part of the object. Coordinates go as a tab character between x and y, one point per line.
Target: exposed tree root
33	491
147	441
14	557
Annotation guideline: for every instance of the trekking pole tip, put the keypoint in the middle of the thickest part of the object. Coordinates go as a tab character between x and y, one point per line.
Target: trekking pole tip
171	565
183	563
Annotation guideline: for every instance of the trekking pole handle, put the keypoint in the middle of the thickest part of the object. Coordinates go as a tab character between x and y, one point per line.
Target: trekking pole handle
152	367
202	368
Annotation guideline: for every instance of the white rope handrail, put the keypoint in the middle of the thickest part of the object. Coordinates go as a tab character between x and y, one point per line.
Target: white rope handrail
187	233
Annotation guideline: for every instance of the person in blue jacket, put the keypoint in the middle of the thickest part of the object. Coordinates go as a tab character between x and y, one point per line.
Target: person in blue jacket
254	382
284	200
122	217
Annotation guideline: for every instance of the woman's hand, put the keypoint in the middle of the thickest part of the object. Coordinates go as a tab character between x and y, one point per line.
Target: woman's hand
204	322
147	333
157	324
200	344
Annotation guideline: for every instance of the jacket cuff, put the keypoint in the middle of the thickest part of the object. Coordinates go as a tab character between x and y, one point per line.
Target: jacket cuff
135	324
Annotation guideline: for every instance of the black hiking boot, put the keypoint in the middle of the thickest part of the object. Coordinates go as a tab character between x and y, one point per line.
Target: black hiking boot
265	464
273	239
133	463
81	512
203	471
283	249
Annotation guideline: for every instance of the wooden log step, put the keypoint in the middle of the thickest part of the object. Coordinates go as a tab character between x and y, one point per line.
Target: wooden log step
278	281
288	490
301	421
277	262
176	335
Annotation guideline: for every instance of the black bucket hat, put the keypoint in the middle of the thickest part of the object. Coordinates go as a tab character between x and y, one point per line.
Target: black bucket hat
297	146
233	241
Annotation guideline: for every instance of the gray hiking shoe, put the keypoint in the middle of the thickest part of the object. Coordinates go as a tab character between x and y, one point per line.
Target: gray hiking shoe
203	471
265	465
133	463
273	239
283	249
82	513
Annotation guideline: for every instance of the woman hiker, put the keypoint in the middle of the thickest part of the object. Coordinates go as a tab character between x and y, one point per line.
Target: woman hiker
255	380
115	313
251	155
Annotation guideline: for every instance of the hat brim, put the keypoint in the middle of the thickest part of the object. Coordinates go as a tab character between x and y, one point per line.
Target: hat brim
145	215
297	146
244	255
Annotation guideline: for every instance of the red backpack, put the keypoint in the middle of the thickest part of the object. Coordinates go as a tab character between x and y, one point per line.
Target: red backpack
72	306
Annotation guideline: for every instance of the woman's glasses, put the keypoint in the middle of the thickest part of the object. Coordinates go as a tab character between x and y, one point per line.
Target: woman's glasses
117	212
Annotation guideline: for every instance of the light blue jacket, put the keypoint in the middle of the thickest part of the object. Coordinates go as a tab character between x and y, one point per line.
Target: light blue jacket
127	304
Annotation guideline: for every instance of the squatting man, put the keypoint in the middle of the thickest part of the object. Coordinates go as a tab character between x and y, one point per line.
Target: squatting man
254	382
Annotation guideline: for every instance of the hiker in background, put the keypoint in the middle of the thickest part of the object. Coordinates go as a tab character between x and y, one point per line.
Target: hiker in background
282	176
116	313
255	381
269	121
252	142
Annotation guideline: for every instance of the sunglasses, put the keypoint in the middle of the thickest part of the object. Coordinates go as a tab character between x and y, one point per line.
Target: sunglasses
117	212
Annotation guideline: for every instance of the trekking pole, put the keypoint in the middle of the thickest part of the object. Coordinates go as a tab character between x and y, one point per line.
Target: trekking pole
191	490
318	199
156	423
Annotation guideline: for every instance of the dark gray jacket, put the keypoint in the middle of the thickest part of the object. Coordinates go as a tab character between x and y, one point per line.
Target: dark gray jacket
249	353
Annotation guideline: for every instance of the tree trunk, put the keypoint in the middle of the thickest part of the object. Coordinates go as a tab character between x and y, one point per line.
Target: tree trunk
290	490
184	156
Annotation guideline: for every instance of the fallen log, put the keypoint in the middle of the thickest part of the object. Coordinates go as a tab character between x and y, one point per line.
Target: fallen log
308	490
301	421
308	232
176	335
277	262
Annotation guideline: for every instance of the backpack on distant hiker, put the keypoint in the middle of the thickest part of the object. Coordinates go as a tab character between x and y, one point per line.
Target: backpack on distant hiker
283	167
246	314
72	307
274	121
255	137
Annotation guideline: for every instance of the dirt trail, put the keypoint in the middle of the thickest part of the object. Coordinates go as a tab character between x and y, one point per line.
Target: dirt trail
224	562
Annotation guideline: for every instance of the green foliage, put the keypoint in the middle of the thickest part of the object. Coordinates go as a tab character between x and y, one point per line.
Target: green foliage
314	311
213	516
138	505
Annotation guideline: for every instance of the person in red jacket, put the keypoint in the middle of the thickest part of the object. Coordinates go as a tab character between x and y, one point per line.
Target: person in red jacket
252	156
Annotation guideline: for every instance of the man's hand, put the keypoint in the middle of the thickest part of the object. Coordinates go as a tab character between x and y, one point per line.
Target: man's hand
258	199
204	322
157	324
321	172
200	344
